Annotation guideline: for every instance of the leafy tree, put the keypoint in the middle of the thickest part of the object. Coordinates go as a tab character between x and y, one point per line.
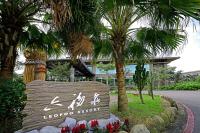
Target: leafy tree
140	78
106	67
60	72
177	76
163	75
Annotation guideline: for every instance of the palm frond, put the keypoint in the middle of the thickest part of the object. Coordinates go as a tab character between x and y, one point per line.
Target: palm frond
169	13
102	48
36	39
137	50
159	40
189	8
80	46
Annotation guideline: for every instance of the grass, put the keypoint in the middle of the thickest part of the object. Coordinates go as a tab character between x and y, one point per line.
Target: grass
139	112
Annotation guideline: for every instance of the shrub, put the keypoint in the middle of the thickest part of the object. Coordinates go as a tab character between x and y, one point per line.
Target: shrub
12	102
191	85
12	97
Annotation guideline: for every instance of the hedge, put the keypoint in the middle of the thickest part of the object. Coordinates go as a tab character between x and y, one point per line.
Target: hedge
192	85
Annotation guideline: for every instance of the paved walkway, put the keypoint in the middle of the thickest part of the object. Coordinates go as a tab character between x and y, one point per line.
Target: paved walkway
190	99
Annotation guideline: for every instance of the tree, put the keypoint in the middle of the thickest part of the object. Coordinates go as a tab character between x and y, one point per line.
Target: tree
177	76
106	67
140	77
17	15
60	72
151	41
76	34
120	15
14	16
37	47
150	81
120	18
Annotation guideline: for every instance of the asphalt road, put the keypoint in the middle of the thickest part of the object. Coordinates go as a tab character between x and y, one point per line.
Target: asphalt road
190	99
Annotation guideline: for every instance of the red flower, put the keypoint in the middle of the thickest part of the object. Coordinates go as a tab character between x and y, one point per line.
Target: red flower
76	129
65	130
82	126
109	127
94	123
116	126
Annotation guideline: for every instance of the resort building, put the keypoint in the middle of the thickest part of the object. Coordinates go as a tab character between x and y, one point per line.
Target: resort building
84	69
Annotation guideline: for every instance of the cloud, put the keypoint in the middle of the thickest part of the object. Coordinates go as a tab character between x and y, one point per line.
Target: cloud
190	54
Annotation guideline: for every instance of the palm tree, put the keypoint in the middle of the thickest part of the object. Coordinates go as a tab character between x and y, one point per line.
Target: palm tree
151	41
38	46
76	33
120	18
61	12
14	16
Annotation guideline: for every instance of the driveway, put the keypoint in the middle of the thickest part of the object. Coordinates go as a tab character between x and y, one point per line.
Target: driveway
190	99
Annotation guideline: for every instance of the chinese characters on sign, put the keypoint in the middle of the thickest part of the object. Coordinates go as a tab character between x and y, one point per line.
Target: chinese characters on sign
78	101
49	103
53	102
96	99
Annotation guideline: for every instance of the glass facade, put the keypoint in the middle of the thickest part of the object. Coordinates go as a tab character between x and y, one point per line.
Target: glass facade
128	69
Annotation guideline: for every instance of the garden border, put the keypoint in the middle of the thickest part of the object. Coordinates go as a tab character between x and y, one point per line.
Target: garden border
189	127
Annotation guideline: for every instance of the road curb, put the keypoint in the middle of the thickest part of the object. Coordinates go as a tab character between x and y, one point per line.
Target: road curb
189	127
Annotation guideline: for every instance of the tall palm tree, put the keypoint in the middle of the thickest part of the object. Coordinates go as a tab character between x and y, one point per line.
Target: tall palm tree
120	19
121	16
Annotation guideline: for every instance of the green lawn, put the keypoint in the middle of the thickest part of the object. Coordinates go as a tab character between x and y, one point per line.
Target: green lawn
139	112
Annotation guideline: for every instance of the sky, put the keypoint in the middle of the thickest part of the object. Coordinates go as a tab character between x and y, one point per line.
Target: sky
189	53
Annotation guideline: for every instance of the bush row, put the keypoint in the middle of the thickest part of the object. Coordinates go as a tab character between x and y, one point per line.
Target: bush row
192	85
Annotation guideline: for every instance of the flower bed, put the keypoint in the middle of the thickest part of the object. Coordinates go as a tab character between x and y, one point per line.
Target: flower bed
70	125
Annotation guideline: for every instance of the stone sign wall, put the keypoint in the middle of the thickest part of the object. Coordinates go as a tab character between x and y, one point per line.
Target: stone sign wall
49	103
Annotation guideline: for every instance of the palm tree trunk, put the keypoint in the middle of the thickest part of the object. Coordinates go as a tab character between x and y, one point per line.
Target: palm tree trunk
8	59
8	55
122	97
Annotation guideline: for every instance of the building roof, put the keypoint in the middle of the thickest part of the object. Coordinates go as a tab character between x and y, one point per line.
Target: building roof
163	60
192	73
155	60
80	68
